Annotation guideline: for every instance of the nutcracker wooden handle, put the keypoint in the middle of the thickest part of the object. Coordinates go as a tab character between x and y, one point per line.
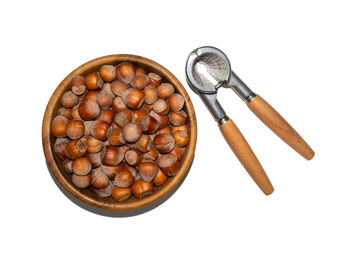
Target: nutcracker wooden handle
245	155
280	126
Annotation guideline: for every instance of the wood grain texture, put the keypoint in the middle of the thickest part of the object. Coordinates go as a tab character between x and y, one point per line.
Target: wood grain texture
245	155
55	165
280	126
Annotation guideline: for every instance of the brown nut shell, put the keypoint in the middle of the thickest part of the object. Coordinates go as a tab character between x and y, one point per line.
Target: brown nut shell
147	170
148	124
81	166
69	99
76	148
176	102
123	179
132	132
111	156
178	118
118	87
60	148
81	181
141	188
164	142
151	94
75	129
139	81
99	179
66	112
121	194
154	79
107	73
89	110
133	157
125	72
160	178
107	116
181	138
58	126
93	81
133	98
161	107
165	90
100	130
116	138
144	144
169	164
102	192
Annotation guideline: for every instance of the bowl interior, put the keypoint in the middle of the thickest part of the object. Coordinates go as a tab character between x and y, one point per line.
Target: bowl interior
55	164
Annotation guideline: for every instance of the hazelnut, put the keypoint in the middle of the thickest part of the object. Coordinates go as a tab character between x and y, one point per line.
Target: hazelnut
111	156
178	152
163	121
160	178
100	130
132	132
147	170
67	165
99	179
164	130
121	194
93	81
125	72
133	98
151	94
81	181
138	114
118	104
81	166
66	112
116	138
58	126
181	138
178	118
75	129
60	147
144	144
154	79
141	188
107	116
89	109
94	158
161	107
103	192
164	142
123	179
78	86
118	87
140	70
165	90
148	124
123	117
104	99
111	171
107	73
152	154
183	128
176	102
169	164
139	81
76	148
133	157
91	94
69	99
75	113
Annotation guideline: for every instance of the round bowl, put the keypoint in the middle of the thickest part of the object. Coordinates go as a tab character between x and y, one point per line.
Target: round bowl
85	195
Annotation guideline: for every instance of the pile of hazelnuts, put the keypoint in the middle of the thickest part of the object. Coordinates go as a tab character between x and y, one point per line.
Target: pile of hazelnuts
120	131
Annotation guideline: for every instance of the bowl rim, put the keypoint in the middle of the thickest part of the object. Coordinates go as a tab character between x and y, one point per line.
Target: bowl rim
49	114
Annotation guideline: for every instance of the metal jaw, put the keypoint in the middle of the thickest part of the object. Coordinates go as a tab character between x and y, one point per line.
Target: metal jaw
238	86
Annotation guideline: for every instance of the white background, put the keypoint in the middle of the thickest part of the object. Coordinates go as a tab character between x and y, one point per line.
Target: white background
296	54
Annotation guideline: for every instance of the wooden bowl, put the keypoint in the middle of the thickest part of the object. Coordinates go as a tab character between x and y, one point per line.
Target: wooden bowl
55	164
